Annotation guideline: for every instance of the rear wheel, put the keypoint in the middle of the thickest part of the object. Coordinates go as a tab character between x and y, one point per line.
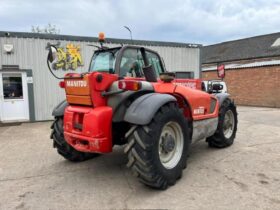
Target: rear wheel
63	148
227	126
157	152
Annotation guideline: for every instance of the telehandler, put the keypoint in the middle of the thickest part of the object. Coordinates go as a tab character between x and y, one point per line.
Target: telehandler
128	98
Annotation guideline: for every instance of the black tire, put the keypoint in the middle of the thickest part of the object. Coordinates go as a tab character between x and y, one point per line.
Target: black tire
143	148
63	148
219	140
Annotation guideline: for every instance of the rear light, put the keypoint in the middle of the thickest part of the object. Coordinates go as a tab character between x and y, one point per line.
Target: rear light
130	85
78	121
62	84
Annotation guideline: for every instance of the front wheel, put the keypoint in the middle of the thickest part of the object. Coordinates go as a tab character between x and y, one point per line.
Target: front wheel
157	152
63	148
227	126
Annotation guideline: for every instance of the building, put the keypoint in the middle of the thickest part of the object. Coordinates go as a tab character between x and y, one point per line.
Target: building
252	68
28	90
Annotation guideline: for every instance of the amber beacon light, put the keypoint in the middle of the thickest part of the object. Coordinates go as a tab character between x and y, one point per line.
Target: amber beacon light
101	37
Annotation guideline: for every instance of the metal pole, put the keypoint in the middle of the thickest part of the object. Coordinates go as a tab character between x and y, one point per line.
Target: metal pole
126	27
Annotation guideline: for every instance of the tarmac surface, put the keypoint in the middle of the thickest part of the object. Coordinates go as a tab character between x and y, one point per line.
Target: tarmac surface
243	176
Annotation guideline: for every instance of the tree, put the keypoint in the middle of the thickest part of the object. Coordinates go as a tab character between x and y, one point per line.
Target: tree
48	29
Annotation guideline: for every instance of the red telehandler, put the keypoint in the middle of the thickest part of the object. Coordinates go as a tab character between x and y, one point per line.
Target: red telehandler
128	98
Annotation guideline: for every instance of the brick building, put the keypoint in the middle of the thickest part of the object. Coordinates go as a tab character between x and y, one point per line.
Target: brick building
252	68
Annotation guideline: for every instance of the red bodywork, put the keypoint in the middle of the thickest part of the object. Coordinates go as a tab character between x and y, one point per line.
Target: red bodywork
196	99
191	83
88	119
88	128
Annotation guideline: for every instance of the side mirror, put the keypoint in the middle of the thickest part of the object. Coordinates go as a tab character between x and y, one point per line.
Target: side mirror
52	56
149	73
148	70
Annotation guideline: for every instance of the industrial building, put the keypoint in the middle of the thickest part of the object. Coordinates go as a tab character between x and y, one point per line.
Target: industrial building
28	91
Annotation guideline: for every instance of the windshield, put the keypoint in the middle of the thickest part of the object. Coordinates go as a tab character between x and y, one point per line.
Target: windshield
104	61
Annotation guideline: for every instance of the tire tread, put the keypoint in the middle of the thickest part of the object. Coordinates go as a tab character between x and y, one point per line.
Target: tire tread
218	140
63	148
139	149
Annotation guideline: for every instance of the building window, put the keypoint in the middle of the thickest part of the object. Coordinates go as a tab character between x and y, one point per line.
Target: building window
12	86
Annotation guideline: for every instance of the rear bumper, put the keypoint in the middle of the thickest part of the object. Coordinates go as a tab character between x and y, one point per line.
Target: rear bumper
88	129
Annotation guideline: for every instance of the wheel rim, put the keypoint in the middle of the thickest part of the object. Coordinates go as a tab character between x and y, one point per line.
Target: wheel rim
171	145
228	126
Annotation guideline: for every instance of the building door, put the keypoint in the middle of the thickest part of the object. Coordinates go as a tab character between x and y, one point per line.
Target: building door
13	97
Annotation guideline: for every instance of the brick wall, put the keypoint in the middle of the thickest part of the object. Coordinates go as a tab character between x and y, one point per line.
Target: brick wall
258	86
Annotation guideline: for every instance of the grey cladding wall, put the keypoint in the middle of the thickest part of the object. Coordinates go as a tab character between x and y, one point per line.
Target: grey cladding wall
30	53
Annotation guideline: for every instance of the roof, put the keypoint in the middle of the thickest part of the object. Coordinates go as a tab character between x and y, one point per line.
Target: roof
95	39
242	49
252	64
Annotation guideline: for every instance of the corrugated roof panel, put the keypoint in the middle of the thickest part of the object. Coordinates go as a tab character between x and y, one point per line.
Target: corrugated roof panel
243	49
276	43
241	66
95	39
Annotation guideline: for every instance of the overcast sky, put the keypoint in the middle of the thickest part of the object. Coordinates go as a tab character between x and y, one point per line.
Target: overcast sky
191	21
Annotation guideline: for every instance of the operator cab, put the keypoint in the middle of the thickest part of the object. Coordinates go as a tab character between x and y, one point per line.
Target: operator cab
126	61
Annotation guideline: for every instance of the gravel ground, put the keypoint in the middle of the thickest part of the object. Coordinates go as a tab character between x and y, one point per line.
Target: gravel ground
243	176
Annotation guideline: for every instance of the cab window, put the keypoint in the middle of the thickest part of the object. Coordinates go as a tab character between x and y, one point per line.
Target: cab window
131	63
154	60
104	61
